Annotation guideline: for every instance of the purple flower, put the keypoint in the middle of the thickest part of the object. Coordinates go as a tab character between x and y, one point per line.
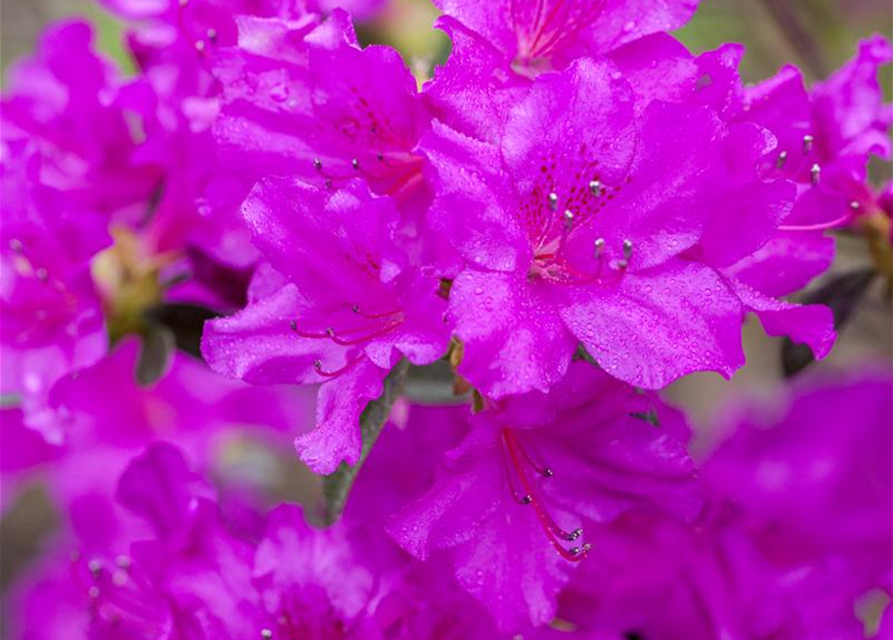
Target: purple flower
103	416
544	35
593	242
826	136
511	501
285	112
340	309
795	541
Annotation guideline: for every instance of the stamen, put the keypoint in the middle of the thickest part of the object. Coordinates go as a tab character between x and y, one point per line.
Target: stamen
293	325
266	634
553	201
200	46
816	174
595	187
365	338
599	248
855	206
317	164
807	144
782	159
317	364
356	309
212	36
568	219
627	249
822	226
42	274
355	164
554	533
15	245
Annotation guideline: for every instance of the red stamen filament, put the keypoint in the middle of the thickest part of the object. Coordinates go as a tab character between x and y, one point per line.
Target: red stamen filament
554	533
337	372
822	226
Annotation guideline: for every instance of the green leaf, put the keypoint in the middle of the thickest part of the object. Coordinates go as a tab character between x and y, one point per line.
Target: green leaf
336	486
10	400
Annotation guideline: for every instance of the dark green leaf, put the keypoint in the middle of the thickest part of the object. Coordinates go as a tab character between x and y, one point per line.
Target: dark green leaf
186	322
336	486
842	294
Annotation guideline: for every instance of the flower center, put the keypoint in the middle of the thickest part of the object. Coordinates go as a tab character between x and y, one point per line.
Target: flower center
121	597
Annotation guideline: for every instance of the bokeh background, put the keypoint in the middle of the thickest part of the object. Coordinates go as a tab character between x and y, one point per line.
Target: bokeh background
816	35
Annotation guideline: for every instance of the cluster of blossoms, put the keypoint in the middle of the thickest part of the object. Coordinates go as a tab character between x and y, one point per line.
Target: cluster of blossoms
571	214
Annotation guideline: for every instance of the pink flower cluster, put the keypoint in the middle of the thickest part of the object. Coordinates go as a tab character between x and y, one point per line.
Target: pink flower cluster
571	214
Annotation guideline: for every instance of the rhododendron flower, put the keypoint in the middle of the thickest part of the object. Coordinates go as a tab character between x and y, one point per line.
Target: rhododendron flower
827	135
538	36
484	271
285	112
341	308
511	501
795	541
103	416
585	243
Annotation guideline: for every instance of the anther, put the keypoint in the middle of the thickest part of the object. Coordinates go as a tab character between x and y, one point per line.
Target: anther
816	173
15	245
355	164
266	634
527	499
212	35
627	249
575	535
93	592
123	562
599	247
95	567
42	274
807	143
548	472
356	308
855	206
782	159
317	164
596	188
553	201
379	156
568	218
293	325
200	46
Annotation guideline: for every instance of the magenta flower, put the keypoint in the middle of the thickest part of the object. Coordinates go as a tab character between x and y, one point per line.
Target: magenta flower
341	308
544	35
795	542
826	136
555	257
103	416
511	502
285	112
